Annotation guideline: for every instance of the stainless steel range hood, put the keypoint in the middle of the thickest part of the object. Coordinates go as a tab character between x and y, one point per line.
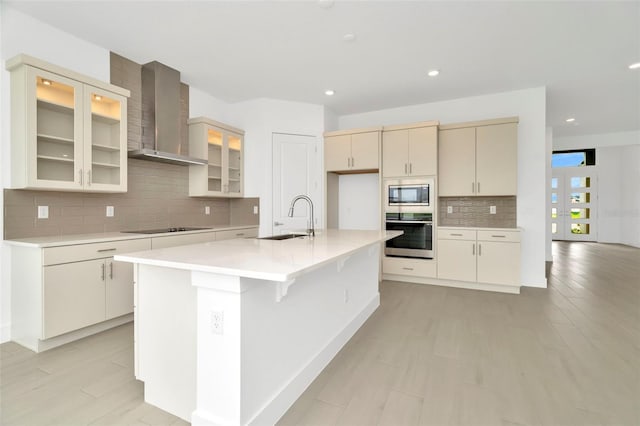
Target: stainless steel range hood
161	118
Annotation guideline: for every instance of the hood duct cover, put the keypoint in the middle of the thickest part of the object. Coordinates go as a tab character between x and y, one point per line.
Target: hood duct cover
162	123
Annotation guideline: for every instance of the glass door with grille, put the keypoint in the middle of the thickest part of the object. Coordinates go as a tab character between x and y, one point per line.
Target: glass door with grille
573	204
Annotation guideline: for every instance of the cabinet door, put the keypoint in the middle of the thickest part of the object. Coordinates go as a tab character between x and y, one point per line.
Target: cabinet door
498	262
364	151
234	151
337	153
456	162
395	152
423	151
119	289
457	260
105	136
74	296
54	151
497	159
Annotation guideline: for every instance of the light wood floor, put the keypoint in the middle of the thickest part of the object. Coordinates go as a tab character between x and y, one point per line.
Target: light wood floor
566	355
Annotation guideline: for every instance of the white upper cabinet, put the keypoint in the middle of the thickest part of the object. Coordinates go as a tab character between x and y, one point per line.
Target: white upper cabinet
68	131
222	146
410	150
478	158
351	151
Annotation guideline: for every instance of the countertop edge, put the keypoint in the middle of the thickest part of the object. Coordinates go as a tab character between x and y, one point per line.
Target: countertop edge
77	239
138	257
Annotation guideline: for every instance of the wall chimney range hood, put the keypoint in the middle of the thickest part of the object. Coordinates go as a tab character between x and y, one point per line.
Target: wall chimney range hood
162	123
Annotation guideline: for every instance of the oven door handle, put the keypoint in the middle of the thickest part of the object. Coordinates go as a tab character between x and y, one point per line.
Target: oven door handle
410	221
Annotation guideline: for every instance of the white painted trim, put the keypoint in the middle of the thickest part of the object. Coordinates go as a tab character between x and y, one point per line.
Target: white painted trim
499	288
5	332
54	342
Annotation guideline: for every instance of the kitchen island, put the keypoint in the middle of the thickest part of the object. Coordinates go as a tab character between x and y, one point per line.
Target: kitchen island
232	332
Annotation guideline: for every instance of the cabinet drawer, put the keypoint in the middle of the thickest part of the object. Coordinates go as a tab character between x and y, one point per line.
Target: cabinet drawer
237	233
181	240
413	267
456	234
505	236
79	252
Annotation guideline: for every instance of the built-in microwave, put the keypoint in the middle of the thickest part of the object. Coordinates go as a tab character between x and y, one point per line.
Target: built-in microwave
409	195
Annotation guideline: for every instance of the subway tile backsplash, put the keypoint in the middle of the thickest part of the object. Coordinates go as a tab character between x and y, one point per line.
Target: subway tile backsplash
474	212
157	197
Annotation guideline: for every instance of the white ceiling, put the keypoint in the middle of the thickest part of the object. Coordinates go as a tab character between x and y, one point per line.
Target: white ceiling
238	50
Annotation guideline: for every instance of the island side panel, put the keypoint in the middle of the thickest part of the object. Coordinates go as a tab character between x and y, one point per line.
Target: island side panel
165	332
282	345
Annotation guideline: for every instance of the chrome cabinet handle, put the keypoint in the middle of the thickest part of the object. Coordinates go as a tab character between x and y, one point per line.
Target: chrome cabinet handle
103	250
410	168
278	223
103	272
478	187
405	168
499	236
89	177
479	249
407	269
111	270
456	235
353	162
240	234
80	175
473	250
473	188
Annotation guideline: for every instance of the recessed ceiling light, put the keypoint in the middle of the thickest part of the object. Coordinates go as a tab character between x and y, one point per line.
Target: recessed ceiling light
46	82
97	97
570	120
433	73
329	92
634	66
349	37
325	4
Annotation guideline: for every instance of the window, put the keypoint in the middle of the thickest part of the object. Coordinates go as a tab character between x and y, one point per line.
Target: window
573	158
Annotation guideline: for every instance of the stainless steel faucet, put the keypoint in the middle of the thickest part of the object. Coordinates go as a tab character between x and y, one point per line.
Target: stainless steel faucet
311	231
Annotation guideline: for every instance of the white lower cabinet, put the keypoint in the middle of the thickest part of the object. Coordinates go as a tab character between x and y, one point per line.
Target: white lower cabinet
104	287
482	256
58	293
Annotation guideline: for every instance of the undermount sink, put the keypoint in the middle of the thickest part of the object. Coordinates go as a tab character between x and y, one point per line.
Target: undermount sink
283	237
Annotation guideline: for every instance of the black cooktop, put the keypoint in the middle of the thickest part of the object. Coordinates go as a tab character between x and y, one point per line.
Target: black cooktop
164	230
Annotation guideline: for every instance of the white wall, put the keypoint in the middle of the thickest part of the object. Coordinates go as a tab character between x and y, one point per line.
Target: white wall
548	174
260	118
359	201
618	172
529	106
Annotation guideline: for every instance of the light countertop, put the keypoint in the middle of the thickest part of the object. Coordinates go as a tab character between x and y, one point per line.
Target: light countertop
67	240
262	259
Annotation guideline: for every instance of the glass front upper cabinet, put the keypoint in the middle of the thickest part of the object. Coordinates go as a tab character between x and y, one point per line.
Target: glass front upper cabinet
222	146
68	131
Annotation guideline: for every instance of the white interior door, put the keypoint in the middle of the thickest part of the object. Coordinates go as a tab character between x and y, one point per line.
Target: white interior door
573	204
296	170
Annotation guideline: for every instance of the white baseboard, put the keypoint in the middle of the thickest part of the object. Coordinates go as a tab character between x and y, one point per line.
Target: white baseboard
5	333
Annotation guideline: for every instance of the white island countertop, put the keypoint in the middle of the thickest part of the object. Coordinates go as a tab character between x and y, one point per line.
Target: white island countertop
273	260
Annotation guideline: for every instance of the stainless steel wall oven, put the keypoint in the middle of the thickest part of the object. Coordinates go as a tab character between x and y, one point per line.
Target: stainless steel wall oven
409	208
